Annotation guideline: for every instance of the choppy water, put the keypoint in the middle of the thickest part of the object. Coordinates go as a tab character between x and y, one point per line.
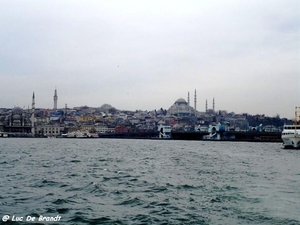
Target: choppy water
110	181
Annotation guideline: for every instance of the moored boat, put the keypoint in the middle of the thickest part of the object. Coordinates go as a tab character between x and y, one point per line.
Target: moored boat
291	133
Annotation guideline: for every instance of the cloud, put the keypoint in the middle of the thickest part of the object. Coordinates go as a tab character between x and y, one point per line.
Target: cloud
242	53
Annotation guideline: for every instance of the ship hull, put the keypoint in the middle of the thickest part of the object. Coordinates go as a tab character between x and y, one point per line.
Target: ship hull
291	141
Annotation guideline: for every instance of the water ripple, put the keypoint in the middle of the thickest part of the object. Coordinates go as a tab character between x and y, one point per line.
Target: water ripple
113	181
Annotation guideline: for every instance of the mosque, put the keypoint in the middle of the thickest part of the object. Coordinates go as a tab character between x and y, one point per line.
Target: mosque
19	120
182	107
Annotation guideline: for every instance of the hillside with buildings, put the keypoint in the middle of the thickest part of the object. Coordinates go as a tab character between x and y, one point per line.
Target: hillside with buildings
180	116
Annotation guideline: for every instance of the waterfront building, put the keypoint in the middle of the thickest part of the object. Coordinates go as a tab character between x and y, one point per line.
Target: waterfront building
88	127
103	128
121	129
17	121
50	130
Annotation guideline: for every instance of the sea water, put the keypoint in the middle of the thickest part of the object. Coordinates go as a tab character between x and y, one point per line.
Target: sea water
121	181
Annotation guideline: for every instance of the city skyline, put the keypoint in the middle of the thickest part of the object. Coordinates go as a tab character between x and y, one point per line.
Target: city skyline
192	104
141	55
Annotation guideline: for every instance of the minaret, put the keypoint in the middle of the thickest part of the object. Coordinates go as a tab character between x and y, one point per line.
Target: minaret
55	97
32	115
66	110
195	100
213	104
206	106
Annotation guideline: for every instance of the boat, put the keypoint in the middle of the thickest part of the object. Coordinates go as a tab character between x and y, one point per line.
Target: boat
4	135
291	133
164	131
83	134
79	134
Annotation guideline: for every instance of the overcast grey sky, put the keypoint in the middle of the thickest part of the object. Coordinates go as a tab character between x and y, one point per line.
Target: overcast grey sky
147	54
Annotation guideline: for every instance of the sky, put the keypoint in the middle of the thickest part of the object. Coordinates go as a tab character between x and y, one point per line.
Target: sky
144	55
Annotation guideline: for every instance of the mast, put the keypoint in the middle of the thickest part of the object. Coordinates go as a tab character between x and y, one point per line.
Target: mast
32	114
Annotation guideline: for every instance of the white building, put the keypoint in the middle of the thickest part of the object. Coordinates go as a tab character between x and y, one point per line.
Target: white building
49	129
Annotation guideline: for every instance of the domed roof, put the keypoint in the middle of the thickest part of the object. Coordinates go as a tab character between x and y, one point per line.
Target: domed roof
180	108
180	100
16	117
17	110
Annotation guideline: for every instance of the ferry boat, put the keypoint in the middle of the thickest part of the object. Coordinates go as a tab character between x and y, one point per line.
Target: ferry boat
291	133
164	131
79	134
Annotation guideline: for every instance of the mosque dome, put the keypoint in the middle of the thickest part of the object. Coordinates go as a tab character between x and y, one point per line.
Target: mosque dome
180	108
16	117
180	101
17	110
